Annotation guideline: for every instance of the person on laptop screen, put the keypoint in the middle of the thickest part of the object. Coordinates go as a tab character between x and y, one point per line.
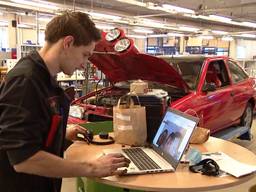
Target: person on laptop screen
162	138
172	144
170	139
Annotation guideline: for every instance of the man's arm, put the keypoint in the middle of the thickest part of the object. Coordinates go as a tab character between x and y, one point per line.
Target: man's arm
48	165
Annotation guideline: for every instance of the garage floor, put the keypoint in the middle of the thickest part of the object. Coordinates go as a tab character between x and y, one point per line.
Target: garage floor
69	185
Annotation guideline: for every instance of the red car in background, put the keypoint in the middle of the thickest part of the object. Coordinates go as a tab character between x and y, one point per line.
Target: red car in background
214	88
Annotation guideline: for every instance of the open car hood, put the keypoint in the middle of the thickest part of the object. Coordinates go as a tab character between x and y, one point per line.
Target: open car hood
132	65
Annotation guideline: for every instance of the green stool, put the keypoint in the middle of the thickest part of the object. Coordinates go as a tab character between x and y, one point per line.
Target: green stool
89	185
97	127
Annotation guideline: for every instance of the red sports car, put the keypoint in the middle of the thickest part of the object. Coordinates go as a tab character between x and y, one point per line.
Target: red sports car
214	88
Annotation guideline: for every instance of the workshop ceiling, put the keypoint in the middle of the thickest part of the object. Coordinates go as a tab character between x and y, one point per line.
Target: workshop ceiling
240	10
237	10
241	13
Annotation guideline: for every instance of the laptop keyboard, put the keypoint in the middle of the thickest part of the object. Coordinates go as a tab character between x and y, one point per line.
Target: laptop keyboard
140	159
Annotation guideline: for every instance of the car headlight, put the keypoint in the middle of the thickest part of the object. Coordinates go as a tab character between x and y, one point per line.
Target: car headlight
122	45
113	34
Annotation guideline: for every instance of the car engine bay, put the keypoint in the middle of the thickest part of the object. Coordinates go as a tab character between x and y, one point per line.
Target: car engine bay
100	104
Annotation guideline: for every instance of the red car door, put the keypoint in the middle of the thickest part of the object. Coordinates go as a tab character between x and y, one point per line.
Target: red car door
215	107
241	89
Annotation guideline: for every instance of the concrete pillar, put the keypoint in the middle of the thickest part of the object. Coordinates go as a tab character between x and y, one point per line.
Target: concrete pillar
12	31
232	49
182	45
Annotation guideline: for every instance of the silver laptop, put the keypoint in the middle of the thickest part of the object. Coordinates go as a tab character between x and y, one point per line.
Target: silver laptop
167	148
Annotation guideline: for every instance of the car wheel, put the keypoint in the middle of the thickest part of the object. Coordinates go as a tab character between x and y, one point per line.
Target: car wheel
246	121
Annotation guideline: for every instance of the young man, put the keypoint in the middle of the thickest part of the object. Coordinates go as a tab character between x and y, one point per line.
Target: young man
34	111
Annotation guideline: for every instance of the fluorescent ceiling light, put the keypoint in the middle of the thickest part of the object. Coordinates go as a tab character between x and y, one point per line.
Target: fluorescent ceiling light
158	35
191	29
143	31
213	18
133	2
45	19
175	34
149	22
249	24
104	26
191	15
165	7
219	32
178	9
25	26
227	38
247	35
104	16
3	23
220	18
206	37
137	36
153	6
41	4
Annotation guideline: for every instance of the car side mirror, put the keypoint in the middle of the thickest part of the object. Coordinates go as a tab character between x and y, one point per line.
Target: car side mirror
208	87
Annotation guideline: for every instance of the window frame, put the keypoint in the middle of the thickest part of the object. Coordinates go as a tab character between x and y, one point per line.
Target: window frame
232	63
4	38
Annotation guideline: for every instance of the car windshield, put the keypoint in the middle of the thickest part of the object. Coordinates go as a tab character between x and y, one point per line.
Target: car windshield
188	68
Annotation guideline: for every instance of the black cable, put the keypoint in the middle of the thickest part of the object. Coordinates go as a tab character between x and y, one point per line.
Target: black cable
96	88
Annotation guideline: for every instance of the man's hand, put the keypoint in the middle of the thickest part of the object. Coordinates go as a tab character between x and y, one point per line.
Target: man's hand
73	130
107	165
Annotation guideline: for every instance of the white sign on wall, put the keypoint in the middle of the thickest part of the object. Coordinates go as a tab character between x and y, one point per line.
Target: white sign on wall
240	50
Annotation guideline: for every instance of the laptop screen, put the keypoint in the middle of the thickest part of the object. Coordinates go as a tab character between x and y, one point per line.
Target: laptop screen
173	135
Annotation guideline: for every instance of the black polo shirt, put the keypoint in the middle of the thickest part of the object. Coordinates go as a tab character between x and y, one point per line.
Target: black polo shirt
33	117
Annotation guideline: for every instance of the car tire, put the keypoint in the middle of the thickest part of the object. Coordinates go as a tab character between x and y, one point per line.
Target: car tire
246	121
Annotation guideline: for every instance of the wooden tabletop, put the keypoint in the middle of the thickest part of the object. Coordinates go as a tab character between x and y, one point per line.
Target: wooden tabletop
182	179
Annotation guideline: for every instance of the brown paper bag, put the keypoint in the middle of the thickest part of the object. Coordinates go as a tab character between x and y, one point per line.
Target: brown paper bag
200	135
129	122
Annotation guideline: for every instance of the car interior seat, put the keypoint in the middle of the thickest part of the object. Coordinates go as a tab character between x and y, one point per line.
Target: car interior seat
212	76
